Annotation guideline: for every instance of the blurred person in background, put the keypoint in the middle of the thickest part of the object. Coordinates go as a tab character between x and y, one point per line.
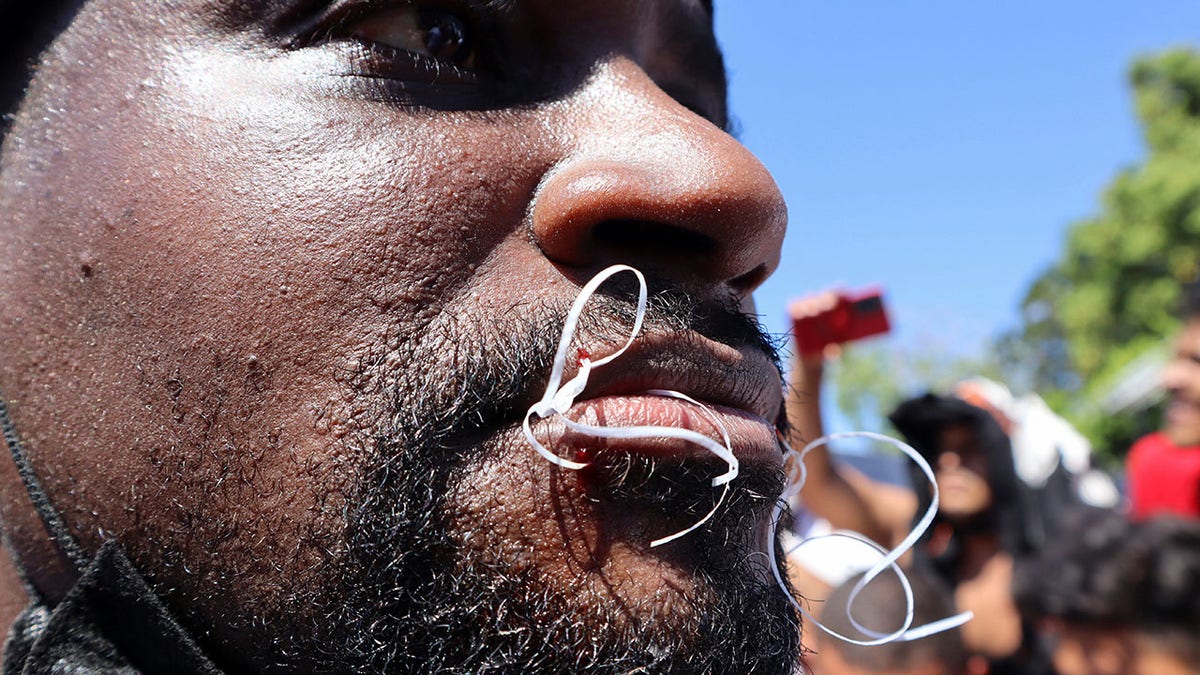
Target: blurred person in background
1163	469
879	607
1118	597
1053	461
981	527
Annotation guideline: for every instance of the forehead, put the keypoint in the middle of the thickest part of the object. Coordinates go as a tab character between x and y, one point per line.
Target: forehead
958	434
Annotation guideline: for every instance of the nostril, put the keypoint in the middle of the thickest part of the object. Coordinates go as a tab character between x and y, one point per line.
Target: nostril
639	238
750	280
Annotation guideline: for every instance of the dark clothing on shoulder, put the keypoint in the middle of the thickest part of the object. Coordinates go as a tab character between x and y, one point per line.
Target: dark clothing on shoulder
110	622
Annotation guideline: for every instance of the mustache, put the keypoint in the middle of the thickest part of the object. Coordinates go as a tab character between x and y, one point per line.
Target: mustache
500	373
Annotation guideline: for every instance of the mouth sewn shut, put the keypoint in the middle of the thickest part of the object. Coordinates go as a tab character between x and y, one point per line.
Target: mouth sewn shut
560	396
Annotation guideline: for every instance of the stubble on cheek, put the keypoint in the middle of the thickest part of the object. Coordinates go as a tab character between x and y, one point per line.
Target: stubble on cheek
463	546
552	560
515	512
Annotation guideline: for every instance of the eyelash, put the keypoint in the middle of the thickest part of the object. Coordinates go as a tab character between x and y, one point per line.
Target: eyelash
401	76
332	22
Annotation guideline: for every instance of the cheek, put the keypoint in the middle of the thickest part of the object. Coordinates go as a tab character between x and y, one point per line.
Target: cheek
320	212
347	224
240	273
1192	377
1069	659
324	236
983	492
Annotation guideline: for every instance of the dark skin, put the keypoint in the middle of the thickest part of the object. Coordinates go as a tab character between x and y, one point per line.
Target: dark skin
248	227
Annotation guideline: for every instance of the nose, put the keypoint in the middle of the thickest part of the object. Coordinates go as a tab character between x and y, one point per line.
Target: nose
654	185
949	460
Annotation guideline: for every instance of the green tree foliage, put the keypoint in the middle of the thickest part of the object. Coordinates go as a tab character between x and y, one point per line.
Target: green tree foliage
1112	294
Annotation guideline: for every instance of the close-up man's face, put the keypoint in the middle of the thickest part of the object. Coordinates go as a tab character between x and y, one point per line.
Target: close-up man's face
1181	379
281	279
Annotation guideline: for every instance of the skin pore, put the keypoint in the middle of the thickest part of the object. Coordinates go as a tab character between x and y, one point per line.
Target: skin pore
281	279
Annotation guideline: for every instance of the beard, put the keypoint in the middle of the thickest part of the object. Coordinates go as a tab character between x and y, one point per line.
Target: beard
429	578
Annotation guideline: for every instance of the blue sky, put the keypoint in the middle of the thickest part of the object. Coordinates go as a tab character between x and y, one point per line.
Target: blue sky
939	148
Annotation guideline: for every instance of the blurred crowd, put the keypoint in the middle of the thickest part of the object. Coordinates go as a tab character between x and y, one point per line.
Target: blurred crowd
1063	570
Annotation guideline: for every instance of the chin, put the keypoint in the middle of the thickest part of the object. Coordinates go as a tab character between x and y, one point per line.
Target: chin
960	513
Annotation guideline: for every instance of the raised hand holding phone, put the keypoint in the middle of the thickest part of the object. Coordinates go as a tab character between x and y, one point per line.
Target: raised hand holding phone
837	317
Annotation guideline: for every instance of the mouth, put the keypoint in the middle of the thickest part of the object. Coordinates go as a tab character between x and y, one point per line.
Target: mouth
740	388
715	373
655	481
751	437
961	475
1181	411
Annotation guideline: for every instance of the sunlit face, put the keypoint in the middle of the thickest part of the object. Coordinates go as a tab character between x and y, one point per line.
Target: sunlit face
961	472
1090	650
1154	658
280	280
1181	379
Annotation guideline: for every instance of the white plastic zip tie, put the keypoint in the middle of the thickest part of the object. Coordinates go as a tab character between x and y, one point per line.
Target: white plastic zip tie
559	398
889	558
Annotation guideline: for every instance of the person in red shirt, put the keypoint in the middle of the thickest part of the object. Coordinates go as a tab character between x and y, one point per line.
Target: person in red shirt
1163	468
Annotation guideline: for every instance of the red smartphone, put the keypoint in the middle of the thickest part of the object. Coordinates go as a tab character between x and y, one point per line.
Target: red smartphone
855	316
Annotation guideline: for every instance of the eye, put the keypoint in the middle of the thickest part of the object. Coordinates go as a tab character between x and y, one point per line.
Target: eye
434	33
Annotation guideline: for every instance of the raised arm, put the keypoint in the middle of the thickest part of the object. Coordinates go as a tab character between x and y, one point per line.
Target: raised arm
827	491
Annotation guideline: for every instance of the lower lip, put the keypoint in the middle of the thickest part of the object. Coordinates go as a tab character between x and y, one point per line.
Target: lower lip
751	437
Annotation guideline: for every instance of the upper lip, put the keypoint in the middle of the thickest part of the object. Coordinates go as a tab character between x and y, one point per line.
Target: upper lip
689	363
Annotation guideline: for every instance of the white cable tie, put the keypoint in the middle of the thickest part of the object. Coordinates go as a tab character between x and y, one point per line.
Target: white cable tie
889	558
559	397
